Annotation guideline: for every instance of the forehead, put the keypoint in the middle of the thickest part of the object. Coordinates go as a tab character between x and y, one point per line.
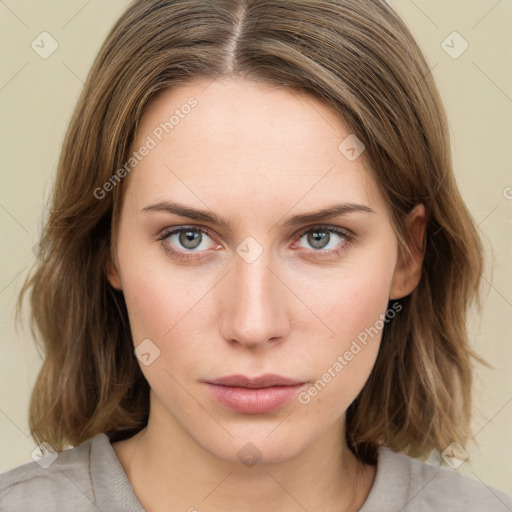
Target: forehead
233	139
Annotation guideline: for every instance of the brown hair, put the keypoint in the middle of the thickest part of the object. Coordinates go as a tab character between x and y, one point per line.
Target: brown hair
358	57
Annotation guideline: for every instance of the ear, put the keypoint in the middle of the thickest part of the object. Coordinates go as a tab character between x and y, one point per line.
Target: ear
112	273
408	267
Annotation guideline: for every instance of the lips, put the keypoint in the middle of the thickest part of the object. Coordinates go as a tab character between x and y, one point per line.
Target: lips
264	381
257	395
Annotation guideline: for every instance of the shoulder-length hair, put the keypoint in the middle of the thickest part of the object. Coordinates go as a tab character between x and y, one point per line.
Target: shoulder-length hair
358	57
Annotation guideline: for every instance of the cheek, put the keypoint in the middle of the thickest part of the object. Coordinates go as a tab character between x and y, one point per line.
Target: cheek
358	302
354	308
165	307
351	298
159	294
148	306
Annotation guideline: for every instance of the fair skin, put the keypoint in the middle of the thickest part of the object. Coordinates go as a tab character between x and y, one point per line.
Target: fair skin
255	155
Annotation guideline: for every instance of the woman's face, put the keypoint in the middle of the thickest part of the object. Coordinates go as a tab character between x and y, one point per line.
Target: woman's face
258	281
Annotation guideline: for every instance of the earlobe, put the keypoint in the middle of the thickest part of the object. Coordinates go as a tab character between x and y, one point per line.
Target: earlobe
408	269
112	273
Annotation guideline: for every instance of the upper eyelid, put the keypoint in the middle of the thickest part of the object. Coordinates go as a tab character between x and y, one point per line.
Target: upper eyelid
177	229
327	227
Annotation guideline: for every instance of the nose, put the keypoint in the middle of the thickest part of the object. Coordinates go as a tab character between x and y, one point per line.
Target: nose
254	306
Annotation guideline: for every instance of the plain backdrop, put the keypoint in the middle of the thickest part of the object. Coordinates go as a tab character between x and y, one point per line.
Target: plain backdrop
37	97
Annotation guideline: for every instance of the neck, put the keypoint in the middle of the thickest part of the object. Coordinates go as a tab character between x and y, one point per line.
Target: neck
169	470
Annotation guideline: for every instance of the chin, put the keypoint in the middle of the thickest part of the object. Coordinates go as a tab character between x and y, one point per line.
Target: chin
258	444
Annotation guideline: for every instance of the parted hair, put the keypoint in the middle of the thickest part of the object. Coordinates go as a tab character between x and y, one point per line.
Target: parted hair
357	56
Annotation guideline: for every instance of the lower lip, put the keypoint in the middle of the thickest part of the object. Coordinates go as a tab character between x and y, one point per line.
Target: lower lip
254	401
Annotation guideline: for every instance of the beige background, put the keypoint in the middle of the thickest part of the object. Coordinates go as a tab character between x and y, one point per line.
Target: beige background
36	100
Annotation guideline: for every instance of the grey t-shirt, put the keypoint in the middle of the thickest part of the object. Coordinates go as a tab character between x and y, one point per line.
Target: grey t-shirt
90	478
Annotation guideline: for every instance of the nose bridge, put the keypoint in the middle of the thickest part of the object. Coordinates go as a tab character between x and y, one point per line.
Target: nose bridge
255	311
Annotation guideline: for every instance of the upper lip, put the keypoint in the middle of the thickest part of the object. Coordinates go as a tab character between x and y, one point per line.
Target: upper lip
263	381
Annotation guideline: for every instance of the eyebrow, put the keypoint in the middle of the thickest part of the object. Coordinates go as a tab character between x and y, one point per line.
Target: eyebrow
208	216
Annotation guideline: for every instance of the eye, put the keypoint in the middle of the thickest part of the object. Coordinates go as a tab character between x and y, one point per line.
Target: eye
326	239
184	240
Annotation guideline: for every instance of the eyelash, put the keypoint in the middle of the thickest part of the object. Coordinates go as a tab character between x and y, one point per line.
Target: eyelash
345	234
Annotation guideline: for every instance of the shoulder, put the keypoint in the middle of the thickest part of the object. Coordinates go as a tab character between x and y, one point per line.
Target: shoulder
51	482
407	484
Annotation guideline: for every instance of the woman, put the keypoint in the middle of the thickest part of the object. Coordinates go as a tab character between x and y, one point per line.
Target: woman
253	283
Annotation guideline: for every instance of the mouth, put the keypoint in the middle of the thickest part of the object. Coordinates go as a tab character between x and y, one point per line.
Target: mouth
257	395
